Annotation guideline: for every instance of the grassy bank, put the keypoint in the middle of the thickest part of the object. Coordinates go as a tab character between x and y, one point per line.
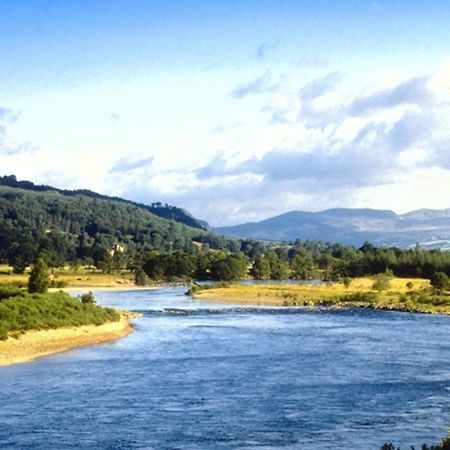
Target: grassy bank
403	294
81	277
20	311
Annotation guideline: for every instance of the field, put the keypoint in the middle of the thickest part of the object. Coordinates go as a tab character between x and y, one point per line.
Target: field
82	277
403	294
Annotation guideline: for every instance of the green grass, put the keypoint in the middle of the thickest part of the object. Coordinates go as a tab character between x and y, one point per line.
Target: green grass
23	311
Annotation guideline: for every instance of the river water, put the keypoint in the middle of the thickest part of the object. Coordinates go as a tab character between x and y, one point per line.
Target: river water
197	375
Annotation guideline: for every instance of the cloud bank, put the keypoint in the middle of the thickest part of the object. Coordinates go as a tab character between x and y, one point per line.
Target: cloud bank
322	145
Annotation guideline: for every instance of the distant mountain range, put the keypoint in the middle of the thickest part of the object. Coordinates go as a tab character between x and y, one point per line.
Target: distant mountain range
430	228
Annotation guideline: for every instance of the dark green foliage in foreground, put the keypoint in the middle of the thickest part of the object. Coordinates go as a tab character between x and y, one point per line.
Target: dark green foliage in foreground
38	281
11	291
444	445
51	310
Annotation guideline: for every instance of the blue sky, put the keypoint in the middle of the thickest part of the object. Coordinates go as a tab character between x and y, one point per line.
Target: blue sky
235	110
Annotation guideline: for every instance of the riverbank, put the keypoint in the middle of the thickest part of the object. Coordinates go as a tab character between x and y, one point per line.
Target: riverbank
411	295
37	343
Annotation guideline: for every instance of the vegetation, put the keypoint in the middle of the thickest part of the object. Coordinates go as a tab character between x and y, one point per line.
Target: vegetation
88	298
64	226
440	281
38	280
24	311
116	236
399	297
443	445
157	208
382	281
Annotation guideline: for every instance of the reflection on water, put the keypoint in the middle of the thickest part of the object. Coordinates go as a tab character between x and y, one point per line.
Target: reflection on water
196	375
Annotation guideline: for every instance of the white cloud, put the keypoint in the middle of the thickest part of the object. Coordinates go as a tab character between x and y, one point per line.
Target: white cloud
304	144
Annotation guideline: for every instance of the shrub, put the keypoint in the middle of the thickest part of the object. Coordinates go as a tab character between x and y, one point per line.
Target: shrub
346	281
88	298
440	281
10	291
381	283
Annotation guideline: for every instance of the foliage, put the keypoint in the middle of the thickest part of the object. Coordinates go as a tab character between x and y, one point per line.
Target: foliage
261	268
346	281
140	278
166	211
231	267
73	226
88	298
302	265
440	281
39	279
10	291
381	282
85	228
360	297
50	310
443	445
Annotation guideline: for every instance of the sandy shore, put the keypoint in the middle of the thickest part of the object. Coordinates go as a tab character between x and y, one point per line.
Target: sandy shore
34	344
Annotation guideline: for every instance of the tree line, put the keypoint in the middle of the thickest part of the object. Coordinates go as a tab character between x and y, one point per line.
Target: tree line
299	261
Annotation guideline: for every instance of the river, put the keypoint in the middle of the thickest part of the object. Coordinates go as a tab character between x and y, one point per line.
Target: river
197	375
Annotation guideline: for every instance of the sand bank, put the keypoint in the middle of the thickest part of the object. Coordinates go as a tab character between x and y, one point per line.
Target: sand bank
36	343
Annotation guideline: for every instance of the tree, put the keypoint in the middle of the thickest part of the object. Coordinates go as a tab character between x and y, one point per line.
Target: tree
88	299
261	268
440	281
140	278
232	267
302	266
38	280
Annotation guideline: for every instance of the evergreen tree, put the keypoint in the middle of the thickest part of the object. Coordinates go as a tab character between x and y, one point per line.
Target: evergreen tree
38	280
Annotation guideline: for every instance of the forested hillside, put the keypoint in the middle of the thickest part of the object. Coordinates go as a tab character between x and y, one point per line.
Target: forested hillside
159	209
92	229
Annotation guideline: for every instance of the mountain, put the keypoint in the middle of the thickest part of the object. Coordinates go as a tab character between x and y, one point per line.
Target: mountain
162	210
430	228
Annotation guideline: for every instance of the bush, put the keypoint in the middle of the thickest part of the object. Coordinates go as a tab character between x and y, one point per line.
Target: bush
88	299
10	291
381	283
361	297
440	281
346	281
